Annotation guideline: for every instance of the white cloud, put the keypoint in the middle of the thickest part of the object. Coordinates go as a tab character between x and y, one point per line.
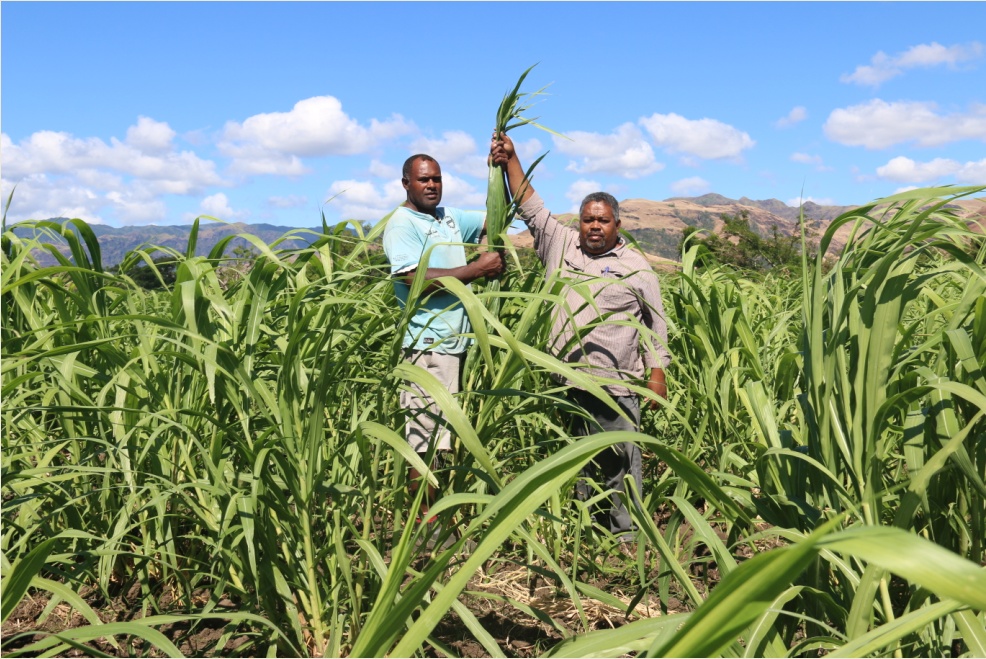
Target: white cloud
905	170
137	208
458	193
60	175
217	206
369	201
98	179
363	200
529	151
384	170
796	115
882	67
165	169
933	54
624	153
688	187
455	151
578	191
274	142
40	197
150	136
879	124
251	159
453	145
704	138
972	172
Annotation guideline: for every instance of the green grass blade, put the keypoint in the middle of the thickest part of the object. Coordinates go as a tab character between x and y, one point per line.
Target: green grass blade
22	573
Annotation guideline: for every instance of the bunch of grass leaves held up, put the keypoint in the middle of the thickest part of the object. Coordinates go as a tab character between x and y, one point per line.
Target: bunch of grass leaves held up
499	208
510	115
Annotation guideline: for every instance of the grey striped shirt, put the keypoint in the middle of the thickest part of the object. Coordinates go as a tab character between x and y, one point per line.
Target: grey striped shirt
601	294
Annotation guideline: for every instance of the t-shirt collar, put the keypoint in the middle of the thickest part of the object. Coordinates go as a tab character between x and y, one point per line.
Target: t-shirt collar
439	212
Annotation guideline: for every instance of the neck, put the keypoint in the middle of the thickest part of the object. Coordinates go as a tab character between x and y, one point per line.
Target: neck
433	212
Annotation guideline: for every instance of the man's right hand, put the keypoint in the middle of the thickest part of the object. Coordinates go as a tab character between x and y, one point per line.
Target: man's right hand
502	153
501	149
487	264
490	264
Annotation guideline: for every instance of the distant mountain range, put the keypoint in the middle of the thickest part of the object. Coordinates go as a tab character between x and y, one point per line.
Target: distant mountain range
656	225
115	242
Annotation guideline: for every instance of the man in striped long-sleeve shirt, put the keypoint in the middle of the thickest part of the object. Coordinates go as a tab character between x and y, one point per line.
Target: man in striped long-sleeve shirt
608	283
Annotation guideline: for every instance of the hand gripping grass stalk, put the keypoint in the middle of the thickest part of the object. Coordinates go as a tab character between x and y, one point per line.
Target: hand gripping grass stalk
509	115
500	211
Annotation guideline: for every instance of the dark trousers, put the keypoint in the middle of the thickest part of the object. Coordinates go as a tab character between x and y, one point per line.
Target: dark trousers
611	465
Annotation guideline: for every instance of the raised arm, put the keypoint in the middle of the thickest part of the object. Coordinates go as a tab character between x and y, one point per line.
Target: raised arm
551	237
502	153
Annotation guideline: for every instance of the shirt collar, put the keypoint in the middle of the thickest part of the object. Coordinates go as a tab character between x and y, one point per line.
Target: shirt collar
439	212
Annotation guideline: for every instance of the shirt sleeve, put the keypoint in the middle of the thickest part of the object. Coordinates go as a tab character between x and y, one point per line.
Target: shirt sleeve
654	346
471	225
550	235
403	245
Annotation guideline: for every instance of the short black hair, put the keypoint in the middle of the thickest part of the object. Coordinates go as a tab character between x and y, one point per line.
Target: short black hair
604	197
406	171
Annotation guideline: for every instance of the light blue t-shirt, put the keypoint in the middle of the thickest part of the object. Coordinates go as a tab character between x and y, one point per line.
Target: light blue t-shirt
440	320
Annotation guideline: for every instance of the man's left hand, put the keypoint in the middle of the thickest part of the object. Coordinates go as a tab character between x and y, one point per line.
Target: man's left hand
658	385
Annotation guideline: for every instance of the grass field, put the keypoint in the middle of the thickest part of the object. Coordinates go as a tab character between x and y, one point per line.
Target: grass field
220	469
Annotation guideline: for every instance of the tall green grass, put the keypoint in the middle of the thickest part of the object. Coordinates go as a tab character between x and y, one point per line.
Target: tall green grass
233	452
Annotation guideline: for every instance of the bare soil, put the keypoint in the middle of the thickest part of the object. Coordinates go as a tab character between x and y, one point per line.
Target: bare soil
525	613
492	597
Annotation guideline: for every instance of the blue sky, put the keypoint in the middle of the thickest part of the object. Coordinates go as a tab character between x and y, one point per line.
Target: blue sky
153	113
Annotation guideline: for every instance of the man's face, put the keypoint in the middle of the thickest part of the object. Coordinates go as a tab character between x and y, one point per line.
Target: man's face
598	229
424	186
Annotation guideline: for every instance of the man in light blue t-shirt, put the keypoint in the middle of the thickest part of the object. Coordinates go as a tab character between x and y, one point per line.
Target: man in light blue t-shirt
434	338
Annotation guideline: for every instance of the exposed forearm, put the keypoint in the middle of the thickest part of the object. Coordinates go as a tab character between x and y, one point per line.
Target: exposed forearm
487	265
465	273
656	382
516	182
